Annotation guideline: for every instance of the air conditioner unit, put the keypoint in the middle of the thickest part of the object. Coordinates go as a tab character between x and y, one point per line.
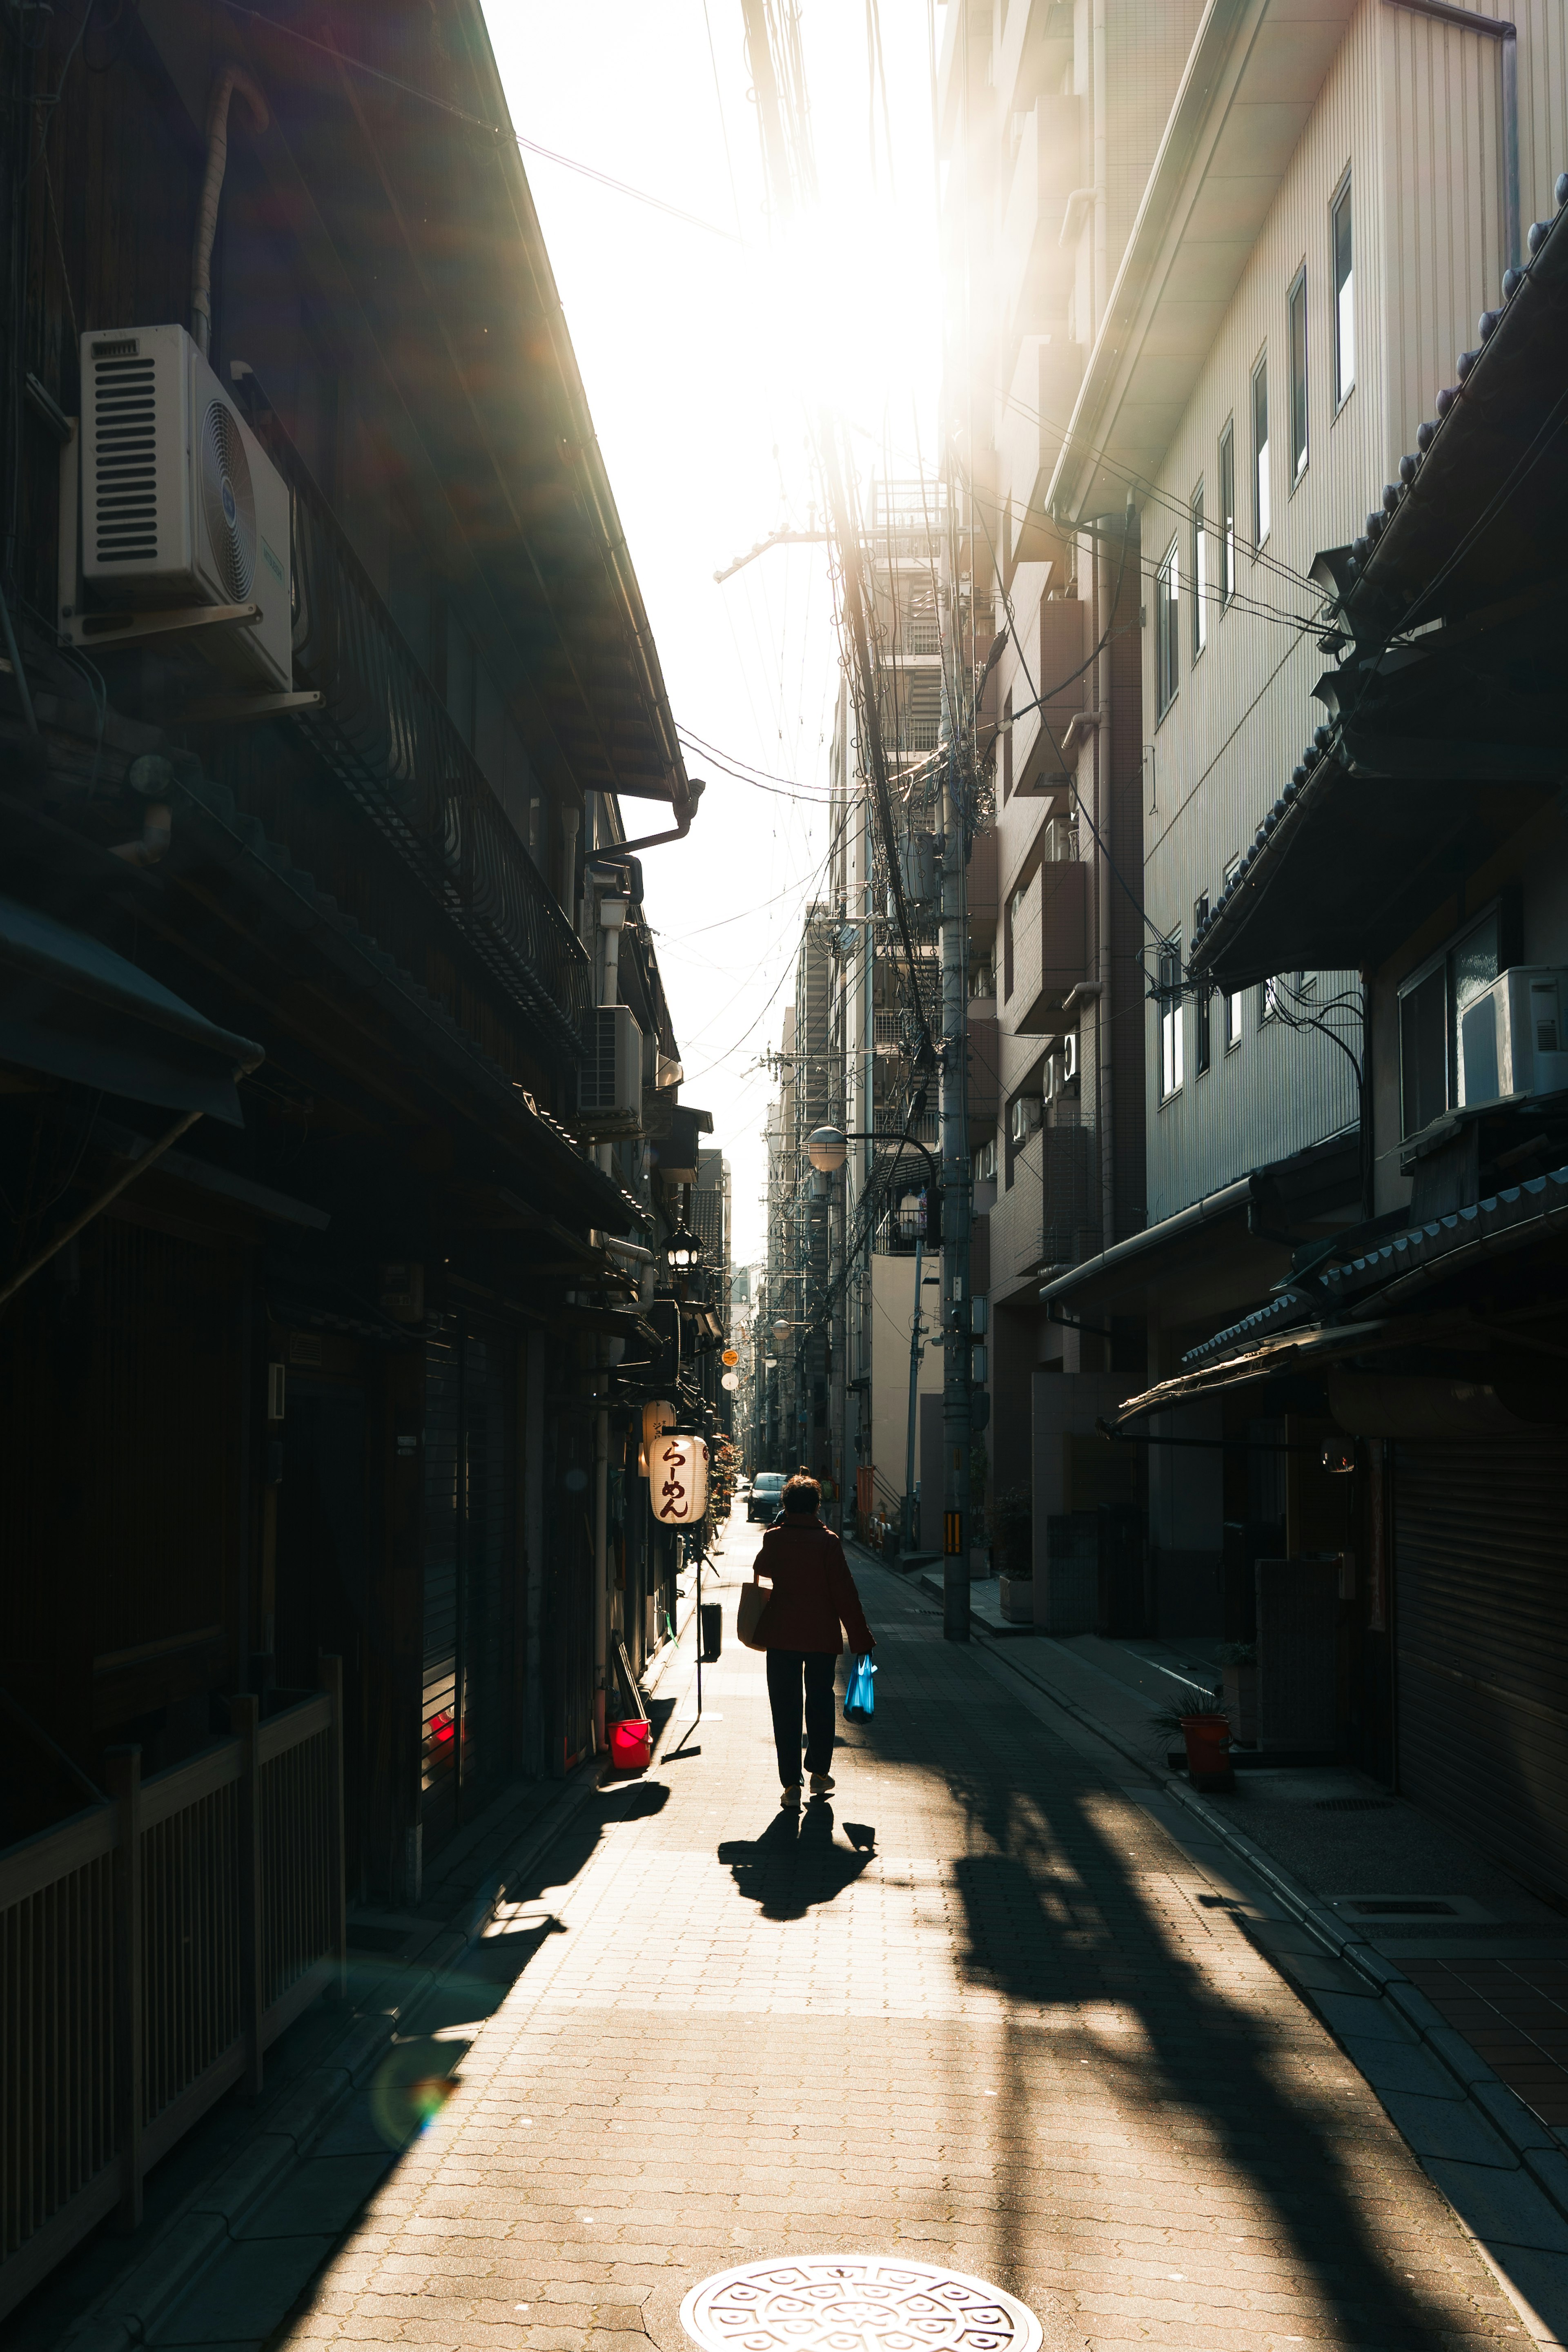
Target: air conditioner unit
609	1081
1513	1037
1061	1068
180	506
1024	1116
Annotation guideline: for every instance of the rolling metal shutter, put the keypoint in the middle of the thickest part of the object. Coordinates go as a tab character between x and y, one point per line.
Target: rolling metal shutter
1481	1632
471	1574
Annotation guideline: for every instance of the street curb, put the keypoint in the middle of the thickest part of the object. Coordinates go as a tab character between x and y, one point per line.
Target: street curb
1538	2151
211	2218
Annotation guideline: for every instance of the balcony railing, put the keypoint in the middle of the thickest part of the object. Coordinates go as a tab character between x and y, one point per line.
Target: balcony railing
386	734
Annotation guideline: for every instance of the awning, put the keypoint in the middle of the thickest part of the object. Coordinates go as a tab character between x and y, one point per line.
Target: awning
1382	1281
1302	1190
72	1009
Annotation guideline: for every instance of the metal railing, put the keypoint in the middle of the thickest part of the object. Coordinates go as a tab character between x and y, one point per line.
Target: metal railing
150	1949
386	735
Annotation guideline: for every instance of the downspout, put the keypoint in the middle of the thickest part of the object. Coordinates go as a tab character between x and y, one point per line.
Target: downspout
570	820
612	916
616	851
232	78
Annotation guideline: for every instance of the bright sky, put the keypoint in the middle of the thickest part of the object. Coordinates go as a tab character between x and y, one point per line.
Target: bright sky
704	356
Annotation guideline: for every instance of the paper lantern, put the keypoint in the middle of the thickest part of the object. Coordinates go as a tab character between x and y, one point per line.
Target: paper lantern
656	1419
678	1480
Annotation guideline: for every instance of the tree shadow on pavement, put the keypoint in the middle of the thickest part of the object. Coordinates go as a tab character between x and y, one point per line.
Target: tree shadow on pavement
794	1865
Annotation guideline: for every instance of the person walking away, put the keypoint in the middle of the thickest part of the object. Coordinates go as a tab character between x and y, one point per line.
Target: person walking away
814	1605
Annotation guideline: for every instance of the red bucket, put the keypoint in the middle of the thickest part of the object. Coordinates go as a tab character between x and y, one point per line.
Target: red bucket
1208	1750
631	1745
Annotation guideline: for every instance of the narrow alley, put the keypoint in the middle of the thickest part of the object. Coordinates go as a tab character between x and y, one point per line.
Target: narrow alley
982	2010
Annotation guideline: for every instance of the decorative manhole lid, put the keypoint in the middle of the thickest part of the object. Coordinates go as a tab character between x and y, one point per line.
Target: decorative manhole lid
855	2302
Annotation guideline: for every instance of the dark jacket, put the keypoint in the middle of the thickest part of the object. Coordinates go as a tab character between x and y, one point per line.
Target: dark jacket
814	1592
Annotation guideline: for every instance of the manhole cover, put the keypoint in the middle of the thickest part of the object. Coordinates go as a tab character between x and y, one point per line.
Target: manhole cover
855	2302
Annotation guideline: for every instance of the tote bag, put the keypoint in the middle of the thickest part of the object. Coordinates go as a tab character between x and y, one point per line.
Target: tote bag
751	1616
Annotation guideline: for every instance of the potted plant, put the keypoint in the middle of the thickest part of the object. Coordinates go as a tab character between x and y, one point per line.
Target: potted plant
1206	1735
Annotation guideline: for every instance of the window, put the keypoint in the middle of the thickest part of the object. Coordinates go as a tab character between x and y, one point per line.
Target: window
1233	1020
1268	1001
1167	608
1261	513
1228	514
1432	1003
1344	295
1203	1031
1200	575
1007	745
1297	322
1170	1019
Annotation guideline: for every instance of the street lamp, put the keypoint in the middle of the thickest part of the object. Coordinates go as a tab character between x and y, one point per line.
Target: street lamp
827	1148
682	1251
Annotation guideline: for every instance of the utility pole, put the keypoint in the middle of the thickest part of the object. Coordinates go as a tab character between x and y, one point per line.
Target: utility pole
956	1416
910	1529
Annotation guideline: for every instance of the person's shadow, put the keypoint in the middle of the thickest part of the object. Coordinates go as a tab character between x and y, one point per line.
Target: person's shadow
796	1862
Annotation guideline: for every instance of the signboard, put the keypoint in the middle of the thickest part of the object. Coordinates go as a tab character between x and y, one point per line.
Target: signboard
678	1480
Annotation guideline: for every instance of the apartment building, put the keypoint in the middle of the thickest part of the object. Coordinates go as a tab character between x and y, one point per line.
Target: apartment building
1049	119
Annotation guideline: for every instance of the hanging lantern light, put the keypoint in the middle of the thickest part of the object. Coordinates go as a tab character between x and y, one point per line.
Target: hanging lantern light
678	1479
682	1251
657	1417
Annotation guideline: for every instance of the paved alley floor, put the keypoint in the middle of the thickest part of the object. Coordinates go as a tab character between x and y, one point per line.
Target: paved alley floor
980	2008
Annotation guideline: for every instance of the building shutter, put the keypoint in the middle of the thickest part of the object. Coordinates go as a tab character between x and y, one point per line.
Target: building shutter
471	1573
1481	1634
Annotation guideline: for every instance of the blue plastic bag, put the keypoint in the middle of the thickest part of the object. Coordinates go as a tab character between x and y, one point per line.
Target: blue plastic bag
860	1698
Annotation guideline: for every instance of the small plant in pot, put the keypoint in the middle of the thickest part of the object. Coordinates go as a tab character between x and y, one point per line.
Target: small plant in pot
1205	1734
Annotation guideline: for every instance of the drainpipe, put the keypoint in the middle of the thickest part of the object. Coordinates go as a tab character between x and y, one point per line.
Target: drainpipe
232	78
614	852
570	820
612	916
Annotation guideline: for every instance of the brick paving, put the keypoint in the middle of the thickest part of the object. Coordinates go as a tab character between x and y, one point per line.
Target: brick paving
1514	2012
982	2009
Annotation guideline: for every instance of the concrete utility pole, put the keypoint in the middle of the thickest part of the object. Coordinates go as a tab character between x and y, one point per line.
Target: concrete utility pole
955	1172
911	1531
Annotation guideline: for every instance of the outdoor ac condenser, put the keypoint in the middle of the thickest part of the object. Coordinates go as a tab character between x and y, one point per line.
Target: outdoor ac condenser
609	1082
180	505
1513	1037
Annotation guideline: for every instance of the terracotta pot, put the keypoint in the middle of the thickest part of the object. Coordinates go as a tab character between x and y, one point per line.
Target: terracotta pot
1208	1750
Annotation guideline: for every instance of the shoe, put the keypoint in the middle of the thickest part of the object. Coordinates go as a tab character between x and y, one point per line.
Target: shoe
823	1784
790	1797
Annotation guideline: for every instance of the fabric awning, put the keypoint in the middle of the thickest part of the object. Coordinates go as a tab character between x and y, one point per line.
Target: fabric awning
72	1009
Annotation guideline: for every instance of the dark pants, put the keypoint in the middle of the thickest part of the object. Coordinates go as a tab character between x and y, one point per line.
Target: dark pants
785	1668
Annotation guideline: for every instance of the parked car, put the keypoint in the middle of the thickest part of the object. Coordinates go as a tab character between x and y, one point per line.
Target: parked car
762	1502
